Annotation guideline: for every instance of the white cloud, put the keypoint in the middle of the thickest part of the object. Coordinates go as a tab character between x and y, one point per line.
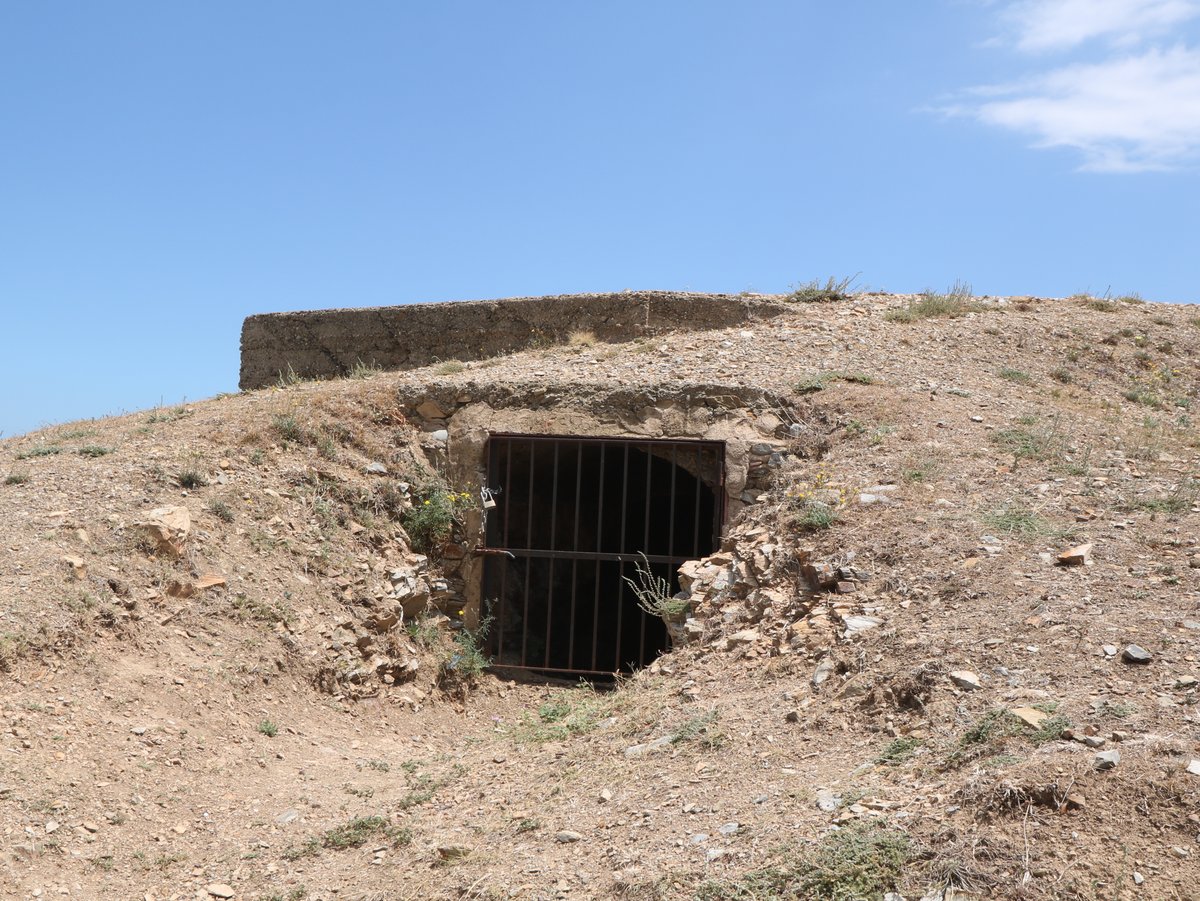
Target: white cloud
1062	24
1126	114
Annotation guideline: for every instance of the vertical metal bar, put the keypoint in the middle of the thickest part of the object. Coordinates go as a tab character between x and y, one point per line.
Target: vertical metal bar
575	547
529	498
525	615
596	566
553	541
528	560
671	527
696	552
492	562
621	565
645	548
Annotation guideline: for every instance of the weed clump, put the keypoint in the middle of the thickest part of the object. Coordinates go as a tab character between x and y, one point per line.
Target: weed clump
1016	519
862	860
191	479
955	303
431	520
816	291
93	450
288	427
653	592
45	450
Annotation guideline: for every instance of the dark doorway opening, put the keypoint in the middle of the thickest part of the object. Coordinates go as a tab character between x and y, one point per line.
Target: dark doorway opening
572	516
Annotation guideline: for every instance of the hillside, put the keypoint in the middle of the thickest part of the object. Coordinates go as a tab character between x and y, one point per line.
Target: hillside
211	687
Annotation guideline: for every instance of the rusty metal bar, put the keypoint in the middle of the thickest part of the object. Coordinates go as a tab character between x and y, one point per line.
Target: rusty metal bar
695	551
528	562
553	541
596	568
574	561
621	563
645	547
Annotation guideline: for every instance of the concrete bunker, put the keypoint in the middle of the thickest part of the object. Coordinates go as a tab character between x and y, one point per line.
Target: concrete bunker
573	518
562	465
554	585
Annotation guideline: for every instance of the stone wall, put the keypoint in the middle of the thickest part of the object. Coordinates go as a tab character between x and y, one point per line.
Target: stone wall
328	343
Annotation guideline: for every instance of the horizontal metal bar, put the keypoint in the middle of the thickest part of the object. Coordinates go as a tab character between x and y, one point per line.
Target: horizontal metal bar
610	439
521	552
554	669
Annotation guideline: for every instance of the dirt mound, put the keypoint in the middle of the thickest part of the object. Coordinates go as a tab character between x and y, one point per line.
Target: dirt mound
235	663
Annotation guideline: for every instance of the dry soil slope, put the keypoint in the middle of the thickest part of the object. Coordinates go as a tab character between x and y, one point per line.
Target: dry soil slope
136	755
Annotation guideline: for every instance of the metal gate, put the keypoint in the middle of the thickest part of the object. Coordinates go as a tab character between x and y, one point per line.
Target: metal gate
572	516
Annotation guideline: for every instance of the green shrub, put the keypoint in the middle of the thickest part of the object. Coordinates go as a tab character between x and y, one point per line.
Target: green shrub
93	450
16	478
816	292
268	728
1016	519
813	516
45	450
361	370
221	510
859	861
289	428
955	303
468	657
1015	375
431	519
191	479
653	592
360	830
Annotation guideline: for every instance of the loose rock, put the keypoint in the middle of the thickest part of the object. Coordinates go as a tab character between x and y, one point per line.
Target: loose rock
1135	654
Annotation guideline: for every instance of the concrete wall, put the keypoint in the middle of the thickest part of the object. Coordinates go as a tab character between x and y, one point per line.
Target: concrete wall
328	343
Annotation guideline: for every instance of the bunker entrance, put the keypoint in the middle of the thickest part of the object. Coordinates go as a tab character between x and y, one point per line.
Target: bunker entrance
572	516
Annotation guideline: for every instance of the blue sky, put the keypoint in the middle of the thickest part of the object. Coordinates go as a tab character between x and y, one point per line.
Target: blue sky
167	169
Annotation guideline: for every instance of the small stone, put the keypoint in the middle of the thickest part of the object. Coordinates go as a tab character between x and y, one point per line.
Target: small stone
52	826
1138	878
220	890
729	829
715	854
1119	735
1193	767
746	636
966	680
644	749
375	468
1093	741
286	817
567	837
828	801
452	852
1110	650
1180	852
792	716
1106	760
606	795
1030	715
1076	556
823	671
856	624
1135	654
1076	801
138	730
1185	682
